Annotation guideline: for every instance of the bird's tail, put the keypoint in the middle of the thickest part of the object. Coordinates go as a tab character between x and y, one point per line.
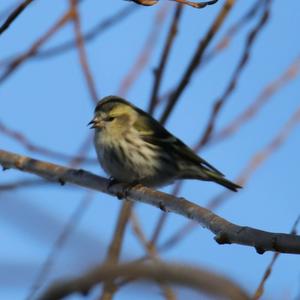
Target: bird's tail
212	176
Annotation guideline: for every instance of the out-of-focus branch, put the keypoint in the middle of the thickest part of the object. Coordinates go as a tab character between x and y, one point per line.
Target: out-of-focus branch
30	146
196	278
21	184
260	289
12	17
219	103
158	73
114	250
153	254
58	244
225	232
99	28
18	61
260	157
233	30
145	53
288	75
89	36
82	53
196	59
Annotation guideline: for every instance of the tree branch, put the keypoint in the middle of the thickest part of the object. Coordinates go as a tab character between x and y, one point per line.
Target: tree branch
196	278
11	18
225	231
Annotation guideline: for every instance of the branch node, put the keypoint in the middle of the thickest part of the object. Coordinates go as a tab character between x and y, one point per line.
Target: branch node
222	238
260	250
162	207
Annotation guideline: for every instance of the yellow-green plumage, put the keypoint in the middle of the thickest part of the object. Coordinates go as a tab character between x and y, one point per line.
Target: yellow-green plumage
133	147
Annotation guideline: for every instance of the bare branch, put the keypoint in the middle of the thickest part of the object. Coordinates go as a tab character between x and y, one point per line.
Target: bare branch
19	137
12	17
158	73
99	28
145	53
226	232
288	75
196	278
114	251
82	53
219	103
58	244
21	184
18	61
153	254
196	59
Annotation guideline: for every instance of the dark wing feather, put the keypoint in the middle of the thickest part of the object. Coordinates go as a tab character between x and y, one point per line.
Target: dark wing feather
153	132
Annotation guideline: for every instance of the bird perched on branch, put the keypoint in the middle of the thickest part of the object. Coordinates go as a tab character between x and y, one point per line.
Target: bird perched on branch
132	147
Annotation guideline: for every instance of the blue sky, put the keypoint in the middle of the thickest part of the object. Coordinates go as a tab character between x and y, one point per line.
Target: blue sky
48	101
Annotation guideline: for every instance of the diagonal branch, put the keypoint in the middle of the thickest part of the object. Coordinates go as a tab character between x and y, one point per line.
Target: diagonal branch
82	53
225	231
18	61
12	17
196	59
219	103
164	57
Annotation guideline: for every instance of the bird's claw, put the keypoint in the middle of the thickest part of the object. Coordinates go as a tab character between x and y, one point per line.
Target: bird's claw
125	191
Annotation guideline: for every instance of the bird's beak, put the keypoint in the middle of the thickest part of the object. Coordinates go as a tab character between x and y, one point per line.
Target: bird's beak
95	123
92	123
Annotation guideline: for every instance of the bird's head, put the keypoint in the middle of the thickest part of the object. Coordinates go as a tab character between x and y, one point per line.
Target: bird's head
113	113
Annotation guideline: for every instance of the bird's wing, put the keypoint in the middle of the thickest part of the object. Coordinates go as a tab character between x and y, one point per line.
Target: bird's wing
154	133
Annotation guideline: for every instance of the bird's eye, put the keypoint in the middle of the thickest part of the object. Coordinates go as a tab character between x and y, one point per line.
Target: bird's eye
109	119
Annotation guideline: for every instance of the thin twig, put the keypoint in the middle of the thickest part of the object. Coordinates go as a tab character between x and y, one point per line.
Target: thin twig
158	73
145	54
219	103
266	94
115	247
196	59
82	53
18	61
72	222
21	184
90	35
153	254
31	147
12	17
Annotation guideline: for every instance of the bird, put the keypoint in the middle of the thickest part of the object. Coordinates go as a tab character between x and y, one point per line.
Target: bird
134	148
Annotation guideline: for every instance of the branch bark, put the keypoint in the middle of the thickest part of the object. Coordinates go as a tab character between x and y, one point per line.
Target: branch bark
225	231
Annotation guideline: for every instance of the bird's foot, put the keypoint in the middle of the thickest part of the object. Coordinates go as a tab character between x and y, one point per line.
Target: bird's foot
125	191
